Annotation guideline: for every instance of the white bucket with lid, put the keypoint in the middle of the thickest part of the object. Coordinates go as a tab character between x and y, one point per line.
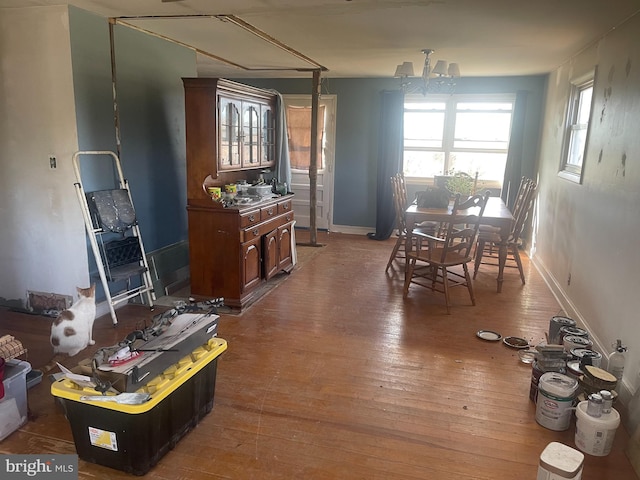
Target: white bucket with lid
556	394
594	435
560	462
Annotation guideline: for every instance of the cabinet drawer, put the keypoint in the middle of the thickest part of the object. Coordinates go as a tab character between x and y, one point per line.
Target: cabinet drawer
267	213
250	218
284	207
255	231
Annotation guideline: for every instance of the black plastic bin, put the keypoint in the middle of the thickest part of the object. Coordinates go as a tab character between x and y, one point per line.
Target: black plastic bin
132	438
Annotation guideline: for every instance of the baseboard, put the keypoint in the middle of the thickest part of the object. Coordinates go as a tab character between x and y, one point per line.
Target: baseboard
351	230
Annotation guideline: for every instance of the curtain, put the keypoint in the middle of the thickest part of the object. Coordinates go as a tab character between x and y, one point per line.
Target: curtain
513	169
390	148
283	163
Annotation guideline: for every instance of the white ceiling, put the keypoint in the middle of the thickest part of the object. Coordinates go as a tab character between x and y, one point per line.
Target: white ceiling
368	38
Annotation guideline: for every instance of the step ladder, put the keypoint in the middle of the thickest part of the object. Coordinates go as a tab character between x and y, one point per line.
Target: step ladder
114	235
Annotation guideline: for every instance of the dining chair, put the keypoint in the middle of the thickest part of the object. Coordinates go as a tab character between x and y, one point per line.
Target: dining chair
447	254
489	239
399	190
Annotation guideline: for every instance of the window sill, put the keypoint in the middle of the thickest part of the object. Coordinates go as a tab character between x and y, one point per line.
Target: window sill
570	176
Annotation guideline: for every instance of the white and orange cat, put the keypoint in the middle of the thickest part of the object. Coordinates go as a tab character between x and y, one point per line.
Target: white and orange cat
72	330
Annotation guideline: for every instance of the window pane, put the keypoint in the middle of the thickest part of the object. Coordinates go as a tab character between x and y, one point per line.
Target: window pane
487	106
585	105
423	164
490	166
483	131
423	129
576	146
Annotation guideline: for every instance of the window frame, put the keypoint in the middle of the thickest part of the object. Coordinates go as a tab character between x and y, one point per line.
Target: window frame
570	170
448	137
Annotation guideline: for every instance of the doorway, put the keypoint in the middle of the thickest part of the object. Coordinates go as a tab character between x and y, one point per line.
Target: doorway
298	110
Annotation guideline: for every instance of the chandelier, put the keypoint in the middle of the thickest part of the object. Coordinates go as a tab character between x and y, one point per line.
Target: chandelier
439	79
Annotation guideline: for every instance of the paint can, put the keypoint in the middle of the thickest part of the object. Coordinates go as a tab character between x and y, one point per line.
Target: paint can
573	331
595	435
586	356
555	325
536	373
556	394
560	462
572	342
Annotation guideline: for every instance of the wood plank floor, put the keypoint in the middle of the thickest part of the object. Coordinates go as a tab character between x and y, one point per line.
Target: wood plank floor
332	375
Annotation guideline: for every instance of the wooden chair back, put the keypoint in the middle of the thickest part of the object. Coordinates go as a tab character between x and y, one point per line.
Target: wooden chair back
525	197
398	188
461	230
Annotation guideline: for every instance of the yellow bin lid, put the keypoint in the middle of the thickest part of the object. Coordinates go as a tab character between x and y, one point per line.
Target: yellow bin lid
159	387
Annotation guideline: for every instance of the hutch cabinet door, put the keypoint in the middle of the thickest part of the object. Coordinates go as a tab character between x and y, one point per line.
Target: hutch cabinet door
250	264
268	150
229	134
250	135
285	258
270	254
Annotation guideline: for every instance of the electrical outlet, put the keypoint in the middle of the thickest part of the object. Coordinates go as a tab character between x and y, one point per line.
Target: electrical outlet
53	161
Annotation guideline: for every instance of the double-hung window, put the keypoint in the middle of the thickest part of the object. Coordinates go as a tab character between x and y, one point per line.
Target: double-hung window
577	127
457	133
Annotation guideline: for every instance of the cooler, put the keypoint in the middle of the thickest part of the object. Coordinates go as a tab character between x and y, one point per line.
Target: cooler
133	438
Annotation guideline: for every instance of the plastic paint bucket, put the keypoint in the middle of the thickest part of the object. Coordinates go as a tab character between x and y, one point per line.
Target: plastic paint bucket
560	462
556	393
595	435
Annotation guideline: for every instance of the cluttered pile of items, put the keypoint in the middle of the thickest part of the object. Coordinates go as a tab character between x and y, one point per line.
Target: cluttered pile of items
569	376
131	403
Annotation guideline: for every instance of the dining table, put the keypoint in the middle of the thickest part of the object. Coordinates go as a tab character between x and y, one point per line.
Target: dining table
496	214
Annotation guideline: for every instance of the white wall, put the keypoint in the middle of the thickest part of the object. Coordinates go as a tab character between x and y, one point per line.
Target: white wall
590	231
42	236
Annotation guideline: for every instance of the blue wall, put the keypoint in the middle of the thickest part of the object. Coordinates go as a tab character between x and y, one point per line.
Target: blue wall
151	112
357	124
150	99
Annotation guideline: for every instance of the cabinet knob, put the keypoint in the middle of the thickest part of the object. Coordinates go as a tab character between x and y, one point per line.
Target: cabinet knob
288	217
256	232
252	218
285	206
270	211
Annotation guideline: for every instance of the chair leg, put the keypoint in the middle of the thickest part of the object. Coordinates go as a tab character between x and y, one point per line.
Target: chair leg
408	272
516	257
394	252
445	288
479	251
469	284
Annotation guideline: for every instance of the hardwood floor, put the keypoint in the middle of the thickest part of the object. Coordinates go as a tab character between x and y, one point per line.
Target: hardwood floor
332	375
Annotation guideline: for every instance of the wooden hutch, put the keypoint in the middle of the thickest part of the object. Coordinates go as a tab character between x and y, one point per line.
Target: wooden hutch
231	135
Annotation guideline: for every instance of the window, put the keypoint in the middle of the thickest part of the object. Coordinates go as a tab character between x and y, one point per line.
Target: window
575	138
299	135
457	133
